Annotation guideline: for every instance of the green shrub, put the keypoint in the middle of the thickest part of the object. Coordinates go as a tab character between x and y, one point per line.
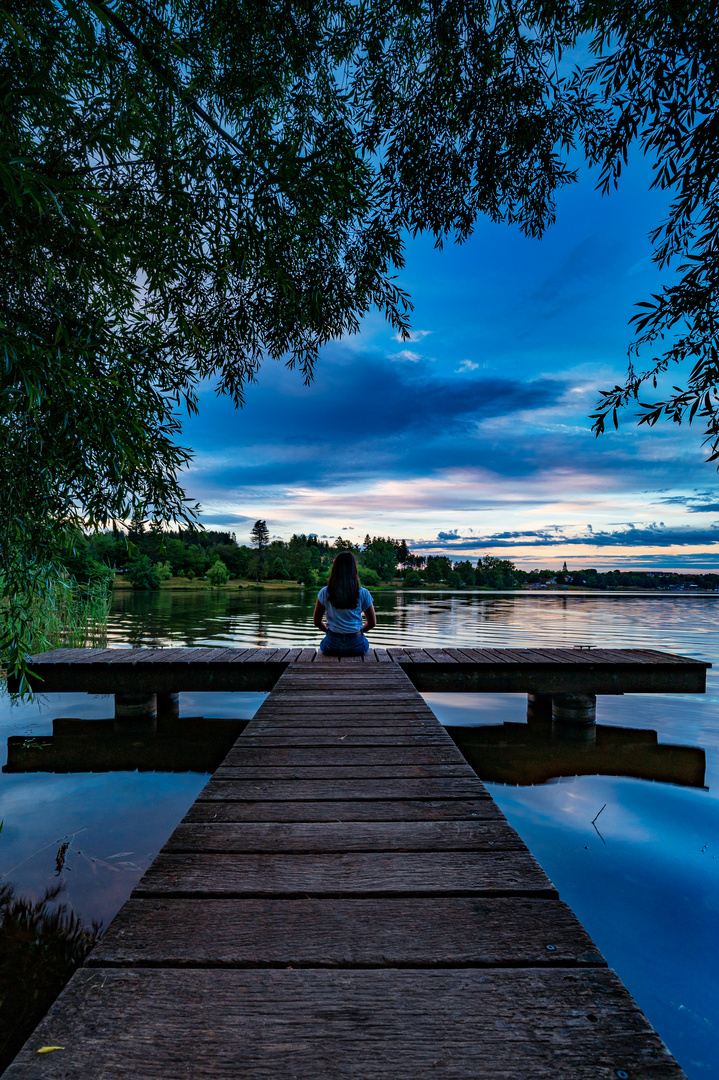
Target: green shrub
142	573
163	571
413	579
218	574
368	576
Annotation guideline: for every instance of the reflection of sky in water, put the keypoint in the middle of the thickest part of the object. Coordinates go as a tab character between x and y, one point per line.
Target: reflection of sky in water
645	884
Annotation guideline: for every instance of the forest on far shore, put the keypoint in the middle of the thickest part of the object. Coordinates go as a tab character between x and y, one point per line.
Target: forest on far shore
147	557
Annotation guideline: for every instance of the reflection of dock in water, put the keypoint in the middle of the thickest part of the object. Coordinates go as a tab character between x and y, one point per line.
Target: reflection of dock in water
178	744
516	753
511	753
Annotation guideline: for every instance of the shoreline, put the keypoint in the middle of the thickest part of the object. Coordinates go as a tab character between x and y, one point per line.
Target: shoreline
244	586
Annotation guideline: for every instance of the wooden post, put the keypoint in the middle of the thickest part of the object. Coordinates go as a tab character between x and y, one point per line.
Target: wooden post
574	717
539	711
168	706
136	707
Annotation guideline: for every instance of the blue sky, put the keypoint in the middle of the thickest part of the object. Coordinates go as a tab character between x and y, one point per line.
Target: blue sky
472	438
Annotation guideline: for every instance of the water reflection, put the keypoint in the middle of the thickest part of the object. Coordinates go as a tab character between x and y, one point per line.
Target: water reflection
535	753
686	624
181	744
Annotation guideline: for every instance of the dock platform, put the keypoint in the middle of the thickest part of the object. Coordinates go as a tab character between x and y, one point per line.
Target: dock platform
345	900
581	670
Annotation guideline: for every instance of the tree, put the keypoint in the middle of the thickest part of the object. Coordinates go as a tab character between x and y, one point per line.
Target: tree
279	571
218	574
260	538
380	555
142	573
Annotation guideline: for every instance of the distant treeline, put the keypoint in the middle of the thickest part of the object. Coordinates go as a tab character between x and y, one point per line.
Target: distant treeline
148	556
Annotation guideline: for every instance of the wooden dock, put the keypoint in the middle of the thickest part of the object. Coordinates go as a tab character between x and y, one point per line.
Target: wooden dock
529	671
344	901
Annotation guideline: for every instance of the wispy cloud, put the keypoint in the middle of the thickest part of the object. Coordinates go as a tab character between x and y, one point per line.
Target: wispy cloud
468	365
407	355
414	336
633	536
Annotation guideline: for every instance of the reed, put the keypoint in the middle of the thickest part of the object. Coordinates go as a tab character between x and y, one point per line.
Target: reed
63	613
71	615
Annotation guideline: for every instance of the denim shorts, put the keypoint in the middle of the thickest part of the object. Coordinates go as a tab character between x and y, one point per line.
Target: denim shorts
344	644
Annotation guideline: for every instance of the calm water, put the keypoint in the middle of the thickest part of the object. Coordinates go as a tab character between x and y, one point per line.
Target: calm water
643	879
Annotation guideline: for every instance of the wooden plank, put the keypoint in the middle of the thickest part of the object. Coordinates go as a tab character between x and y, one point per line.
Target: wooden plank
491	873
341	729
89	656
258	656
397	931
546	1024
332	773
337	836
298	736
341	790
306	655
478	809
327	696
441	656
54	656
242	754
419	656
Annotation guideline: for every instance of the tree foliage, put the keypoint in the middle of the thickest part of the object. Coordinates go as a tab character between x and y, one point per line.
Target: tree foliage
189	188
655	82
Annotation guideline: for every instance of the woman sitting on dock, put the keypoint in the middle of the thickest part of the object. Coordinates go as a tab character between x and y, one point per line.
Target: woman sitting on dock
344	601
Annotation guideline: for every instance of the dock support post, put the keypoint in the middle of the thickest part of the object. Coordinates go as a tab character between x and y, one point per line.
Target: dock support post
168	706
574	717
138	707
539	711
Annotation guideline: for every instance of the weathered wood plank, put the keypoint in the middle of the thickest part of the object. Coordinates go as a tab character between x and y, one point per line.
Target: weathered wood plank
244	754
347	810
338	836
342	736
547	1024
396	931
306	655
341	790
489	872
331	773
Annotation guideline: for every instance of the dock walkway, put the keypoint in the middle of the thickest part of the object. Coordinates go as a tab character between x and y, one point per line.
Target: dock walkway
345	900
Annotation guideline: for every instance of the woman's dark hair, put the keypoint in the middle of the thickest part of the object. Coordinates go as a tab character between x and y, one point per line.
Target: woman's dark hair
343	585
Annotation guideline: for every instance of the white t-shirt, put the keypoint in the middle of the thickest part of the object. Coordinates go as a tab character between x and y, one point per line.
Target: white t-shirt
345	620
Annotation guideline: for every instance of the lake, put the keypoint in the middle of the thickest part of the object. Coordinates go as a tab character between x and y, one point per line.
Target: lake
637	859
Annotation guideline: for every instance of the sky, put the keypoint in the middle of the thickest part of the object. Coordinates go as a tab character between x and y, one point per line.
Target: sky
473	437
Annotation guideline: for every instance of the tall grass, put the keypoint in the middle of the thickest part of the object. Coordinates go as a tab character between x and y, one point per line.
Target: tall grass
68	614
71	615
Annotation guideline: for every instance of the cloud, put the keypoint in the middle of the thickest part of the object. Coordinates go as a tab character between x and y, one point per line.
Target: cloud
414	336
359	418
557	536
468	365
406	354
